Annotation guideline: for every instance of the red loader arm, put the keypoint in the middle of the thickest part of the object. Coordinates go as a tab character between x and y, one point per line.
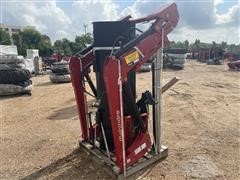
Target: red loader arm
129	58
116	68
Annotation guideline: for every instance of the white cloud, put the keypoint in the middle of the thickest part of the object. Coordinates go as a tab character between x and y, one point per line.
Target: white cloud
45	16
86	12
198	19
232	17
217	2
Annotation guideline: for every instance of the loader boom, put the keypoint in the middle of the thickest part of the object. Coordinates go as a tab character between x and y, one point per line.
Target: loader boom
121	124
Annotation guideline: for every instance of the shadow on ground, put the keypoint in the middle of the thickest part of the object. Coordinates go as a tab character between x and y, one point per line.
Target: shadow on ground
77	165
15	96
64	113
45	84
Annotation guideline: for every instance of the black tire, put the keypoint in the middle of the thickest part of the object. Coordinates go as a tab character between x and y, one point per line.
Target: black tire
60	78
12	89
14	76
11	66
60	64
11	59
24	83
60	70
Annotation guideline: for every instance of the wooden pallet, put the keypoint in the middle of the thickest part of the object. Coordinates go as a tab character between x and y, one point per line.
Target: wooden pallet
110	167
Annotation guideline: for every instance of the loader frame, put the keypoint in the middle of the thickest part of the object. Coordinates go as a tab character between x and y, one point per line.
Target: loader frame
120	124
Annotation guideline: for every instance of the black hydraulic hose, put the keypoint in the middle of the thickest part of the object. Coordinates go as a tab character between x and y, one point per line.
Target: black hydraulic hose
85	50
132	43
129	100
93	88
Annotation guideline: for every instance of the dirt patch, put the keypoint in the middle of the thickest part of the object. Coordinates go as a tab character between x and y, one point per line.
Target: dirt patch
220	85
64	113
201	167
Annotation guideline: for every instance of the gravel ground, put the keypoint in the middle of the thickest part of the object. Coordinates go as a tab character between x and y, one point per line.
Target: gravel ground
40	133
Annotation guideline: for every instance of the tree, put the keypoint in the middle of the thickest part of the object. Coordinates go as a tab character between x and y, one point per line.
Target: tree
196	45
232	48
58	47
32	39
214	44
186	44
45	46
223	45
17	40
4	38
66	47
81	42
63	46
179	44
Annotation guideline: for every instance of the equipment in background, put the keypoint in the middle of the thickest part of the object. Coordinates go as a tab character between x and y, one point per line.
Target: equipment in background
55	57
47	62
211	56
235	65
232	56
216	56
60	72
115	128
174	58
202	54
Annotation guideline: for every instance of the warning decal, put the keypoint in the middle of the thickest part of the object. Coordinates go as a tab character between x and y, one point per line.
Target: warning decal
132	58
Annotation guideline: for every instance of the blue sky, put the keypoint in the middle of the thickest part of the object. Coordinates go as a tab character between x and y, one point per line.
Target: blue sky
223	8
207	20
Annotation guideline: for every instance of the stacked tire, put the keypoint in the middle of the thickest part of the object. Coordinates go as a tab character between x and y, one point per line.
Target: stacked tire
174	58
60	73
14	78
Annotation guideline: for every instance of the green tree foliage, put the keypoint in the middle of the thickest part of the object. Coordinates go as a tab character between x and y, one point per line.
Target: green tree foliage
45	46
186	44
214	44
196	45
67	47
223	45
179	44
63	46
32	39
232	48
4	38
82	42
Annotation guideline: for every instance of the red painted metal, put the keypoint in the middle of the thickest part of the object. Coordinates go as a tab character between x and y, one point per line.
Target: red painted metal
137	146
78	85
77	68
148	47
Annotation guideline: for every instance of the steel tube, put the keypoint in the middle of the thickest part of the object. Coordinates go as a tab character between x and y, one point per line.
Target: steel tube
158	95
157	89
